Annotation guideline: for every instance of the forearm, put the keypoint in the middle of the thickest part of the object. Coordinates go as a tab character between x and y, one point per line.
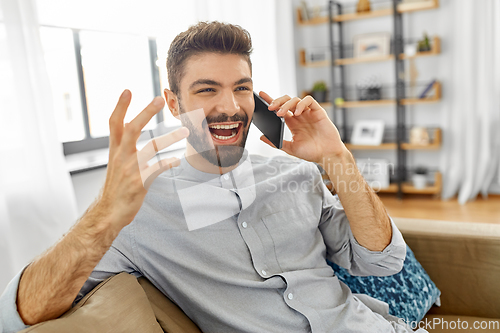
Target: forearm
368	219
50	284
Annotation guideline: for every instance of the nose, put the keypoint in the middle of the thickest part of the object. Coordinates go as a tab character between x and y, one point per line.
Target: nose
228	104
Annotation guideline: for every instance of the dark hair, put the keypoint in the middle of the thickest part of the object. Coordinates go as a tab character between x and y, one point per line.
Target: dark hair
203	37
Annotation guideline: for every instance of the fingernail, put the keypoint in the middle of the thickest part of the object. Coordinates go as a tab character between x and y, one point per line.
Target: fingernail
158	101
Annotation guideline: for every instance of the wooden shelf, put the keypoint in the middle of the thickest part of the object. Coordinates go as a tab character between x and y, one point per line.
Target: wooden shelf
408	188
436	97
416	6
435	50
364	104
383	146
402	8
434	145
362	16
313	21
428	100
352	61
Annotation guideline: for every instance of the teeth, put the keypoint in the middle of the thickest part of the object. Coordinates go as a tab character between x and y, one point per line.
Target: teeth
231	126
224	137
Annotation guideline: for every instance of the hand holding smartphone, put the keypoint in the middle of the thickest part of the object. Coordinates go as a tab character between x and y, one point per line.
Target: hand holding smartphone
268	122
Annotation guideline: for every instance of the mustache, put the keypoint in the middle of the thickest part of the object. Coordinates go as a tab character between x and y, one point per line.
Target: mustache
225	118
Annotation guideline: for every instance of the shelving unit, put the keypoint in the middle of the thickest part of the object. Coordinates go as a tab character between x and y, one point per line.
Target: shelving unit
401	8
336	17
408	188
435	50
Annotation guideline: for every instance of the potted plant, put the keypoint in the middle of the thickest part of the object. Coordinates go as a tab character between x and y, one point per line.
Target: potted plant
424	45
420	177
319	91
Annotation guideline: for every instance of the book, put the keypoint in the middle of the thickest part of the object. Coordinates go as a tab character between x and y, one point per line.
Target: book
427	89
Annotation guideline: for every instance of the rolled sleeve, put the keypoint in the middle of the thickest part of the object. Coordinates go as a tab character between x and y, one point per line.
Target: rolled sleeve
345	251
389	261
10	320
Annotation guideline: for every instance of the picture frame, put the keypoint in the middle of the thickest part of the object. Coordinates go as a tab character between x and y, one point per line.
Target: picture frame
372	45
316	55
368	132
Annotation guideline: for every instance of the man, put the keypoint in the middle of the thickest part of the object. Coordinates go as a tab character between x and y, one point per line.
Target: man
223	234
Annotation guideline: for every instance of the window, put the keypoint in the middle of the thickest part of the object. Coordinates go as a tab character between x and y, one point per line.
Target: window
111	63
88	70
59	51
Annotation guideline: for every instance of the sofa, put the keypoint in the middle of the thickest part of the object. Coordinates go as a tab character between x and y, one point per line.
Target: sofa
463	260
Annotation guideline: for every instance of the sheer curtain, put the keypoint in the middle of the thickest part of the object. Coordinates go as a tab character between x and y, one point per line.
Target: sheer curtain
37	202
473	139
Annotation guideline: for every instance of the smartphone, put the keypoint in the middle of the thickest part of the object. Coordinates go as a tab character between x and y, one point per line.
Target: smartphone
268	122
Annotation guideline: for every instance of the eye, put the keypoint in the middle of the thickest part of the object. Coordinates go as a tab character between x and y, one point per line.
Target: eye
242	88
205	90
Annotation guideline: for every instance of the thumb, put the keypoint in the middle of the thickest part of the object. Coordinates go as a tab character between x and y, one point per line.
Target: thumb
287	147
266	140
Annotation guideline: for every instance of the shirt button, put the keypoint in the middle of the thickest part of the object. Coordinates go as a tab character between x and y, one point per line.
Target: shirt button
226	177
244	225
290	296
264	272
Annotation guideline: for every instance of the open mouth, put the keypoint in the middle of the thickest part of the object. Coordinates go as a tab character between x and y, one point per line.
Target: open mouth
226	133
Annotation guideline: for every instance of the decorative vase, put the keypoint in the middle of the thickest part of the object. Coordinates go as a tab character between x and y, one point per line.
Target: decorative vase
363	6
319	96
419	181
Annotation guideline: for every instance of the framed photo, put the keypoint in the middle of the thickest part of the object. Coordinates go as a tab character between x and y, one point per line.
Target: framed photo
368	132
372	45
315	55
376	172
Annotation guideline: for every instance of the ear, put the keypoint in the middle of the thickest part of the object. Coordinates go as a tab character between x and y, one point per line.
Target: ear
172	102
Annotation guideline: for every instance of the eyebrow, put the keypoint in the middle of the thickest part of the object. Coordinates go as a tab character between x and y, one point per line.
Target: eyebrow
215	83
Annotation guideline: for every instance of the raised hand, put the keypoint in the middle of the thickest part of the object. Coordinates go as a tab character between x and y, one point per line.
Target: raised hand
128	175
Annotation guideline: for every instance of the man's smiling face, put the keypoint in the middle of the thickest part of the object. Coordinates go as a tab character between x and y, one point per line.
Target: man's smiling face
221	85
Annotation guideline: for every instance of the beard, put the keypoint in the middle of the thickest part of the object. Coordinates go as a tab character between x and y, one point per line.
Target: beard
222	156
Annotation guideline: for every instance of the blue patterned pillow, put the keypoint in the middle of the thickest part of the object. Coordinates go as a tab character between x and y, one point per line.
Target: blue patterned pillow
410	293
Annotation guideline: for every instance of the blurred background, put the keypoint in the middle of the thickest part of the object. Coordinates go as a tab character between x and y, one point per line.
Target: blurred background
415	93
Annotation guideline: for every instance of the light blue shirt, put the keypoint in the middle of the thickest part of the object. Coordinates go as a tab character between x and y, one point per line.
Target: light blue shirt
246	252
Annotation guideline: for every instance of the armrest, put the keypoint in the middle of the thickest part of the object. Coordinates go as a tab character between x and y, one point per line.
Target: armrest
463	260
117	304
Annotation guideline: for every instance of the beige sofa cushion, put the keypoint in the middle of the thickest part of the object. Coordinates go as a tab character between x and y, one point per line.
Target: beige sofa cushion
171	318
118	304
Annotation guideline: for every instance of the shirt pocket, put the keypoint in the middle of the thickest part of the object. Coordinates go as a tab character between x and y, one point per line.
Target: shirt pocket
298	243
